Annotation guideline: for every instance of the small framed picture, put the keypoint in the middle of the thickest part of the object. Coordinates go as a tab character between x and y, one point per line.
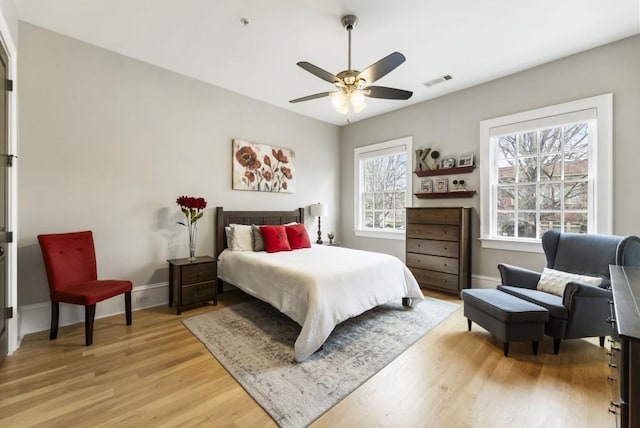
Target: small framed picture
426	186
466	160
448	163
442	185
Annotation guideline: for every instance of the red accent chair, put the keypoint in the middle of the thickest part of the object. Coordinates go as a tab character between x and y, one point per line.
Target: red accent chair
70	260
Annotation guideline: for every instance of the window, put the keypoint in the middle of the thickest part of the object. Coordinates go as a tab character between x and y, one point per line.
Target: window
382	188
546	169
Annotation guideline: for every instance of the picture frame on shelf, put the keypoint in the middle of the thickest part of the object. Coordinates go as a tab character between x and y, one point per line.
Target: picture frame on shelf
465	160
426	186
448	163
442	185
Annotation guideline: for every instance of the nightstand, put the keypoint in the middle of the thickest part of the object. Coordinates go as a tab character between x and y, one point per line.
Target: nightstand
192	283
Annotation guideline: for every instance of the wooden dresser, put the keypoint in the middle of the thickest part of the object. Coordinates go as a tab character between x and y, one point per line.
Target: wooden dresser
438	247
625	346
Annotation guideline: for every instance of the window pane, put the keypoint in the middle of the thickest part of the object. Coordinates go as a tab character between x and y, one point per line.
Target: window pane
550	140
527	197
388	200
528	170
379	219
576	137
550	196
505	224
550	221
368	201
527	144
368	219
507	147
506	197
400	219
551	167
576	222
377	197
576	165
576	196
389	217
400	201
527	225
507	171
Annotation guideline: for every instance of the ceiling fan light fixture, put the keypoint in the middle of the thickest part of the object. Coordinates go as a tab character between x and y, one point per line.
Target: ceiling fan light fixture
357	100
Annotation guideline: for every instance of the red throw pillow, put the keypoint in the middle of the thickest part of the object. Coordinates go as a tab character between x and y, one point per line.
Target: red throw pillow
298	237
275	238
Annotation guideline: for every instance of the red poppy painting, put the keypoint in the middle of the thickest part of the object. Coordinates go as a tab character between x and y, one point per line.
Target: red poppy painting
263	168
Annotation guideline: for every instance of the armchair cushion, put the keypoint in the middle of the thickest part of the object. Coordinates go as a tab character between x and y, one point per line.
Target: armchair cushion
554	281
550	302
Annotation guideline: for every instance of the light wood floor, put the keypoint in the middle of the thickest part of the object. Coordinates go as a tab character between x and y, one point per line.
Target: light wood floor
155	373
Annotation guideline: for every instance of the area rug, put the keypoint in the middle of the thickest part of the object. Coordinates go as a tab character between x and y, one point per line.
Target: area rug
254	342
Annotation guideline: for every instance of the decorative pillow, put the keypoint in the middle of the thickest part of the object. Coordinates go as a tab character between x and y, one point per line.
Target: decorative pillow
298	237
275	238
227	233
554	281
241	238
258	242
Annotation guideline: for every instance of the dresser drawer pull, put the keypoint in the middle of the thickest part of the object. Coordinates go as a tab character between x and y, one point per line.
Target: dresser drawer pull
613	411
616	405
611	378
444	281
613	366
615	348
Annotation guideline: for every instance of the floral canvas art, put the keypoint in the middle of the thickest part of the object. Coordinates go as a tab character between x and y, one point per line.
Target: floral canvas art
263	168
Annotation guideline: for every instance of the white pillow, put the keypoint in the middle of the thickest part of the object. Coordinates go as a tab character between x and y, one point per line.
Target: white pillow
258	241
554	281
241	238
227	233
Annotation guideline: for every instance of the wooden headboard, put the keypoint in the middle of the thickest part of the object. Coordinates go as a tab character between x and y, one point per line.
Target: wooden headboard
225	218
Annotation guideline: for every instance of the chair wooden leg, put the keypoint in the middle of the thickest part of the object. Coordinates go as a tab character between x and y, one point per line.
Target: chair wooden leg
556	346
127	306
601	341
55	313
89	316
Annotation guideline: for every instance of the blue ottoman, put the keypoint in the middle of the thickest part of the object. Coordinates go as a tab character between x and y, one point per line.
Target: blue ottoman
507	317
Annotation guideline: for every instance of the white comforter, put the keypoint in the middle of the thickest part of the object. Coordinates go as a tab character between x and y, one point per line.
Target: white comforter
319	287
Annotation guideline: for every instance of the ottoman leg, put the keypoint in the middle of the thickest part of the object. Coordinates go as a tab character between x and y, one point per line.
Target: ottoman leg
535	347
505	348
469	324
556	346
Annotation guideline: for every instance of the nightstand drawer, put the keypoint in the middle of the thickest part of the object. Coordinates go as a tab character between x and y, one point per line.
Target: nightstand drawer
435	248
198	273
198	293
439	264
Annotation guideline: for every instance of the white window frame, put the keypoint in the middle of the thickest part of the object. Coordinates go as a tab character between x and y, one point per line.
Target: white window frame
600	167
399	145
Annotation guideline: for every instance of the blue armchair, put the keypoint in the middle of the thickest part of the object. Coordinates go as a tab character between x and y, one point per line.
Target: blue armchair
583	309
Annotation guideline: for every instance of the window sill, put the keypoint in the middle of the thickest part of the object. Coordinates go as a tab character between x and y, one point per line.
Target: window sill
525	245
400	236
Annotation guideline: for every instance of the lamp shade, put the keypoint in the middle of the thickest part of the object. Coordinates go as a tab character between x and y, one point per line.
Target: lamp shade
318	210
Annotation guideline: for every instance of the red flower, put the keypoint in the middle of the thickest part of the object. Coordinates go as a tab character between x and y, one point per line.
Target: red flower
268	176
250	176
284	185
248	158
267	160
286	171
279	155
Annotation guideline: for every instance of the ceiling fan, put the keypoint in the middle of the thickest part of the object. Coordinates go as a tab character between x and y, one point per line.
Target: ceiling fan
353	85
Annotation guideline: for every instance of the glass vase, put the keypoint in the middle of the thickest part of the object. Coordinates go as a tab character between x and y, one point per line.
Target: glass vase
192	250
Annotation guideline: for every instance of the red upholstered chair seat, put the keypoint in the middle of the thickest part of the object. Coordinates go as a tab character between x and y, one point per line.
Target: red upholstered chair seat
70	261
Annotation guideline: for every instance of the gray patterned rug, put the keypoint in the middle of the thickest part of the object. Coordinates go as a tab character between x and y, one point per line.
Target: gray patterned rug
254	342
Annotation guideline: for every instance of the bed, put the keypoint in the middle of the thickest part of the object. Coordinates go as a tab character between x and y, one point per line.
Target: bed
317	287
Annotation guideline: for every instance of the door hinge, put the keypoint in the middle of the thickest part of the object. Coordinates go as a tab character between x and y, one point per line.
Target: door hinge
8	237
9	85
10	159
8	312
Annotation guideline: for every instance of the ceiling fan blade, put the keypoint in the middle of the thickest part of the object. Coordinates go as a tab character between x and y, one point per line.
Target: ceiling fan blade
311	97
387	93
382	67
317	71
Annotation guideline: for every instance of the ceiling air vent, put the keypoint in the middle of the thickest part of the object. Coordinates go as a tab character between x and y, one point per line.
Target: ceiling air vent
437	80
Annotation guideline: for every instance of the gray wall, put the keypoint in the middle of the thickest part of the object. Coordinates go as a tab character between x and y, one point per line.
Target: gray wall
450	124
108	143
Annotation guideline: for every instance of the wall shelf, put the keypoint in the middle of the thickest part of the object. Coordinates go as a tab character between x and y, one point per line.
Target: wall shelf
446	195
445	171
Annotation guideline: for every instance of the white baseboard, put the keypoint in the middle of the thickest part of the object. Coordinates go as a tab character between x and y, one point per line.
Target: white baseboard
37	317
480	281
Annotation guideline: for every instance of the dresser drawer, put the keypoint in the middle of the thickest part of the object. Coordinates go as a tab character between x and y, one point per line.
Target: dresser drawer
198	293
198	273
440	264
435	248
434	216
429	278
431	231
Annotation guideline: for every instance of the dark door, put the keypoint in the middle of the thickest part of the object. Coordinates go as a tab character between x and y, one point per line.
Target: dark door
5	236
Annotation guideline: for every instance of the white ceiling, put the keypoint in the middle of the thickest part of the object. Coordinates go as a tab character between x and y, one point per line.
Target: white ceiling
473	40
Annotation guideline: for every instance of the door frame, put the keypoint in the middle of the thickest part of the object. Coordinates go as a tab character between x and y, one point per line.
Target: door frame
12	185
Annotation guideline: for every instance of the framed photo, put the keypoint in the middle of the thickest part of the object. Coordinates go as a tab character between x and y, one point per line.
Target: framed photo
466	160
427	186
447	163
442	185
